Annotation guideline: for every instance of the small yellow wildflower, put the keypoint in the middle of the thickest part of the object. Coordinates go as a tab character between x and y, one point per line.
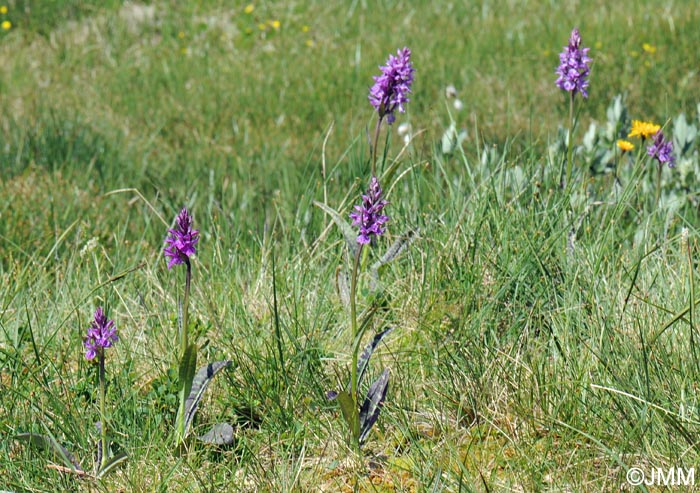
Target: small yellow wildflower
651	49
310	43
6	25
262	26
625	145
643	129
249	8
634	53
181	35
305	29
275	24
3	9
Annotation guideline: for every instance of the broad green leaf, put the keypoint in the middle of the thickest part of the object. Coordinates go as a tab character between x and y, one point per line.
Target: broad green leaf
350	412
49	443
188	365
112	463
372	406
220	434
201	380
348	231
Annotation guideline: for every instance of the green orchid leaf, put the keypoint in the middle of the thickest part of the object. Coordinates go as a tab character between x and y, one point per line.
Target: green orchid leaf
112	463
50	444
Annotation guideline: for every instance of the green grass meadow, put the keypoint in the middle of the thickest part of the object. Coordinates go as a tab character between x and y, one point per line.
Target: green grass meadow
545	338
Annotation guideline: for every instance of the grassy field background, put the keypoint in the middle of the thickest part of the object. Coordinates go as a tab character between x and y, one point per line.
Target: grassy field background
525	357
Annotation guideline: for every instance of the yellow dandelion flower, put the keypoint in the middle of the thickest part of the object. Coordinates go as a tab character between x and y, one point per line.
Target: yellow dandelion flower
6	25
275	24
625	145
305	29
651	49
310	43
3	9
262	26
181	35
643	129
249	8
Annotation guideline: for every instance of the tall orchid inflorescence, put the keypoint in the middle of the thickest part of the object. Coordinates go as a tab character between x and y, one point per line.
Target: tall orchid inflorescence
391	89
573	71
574	66
390	92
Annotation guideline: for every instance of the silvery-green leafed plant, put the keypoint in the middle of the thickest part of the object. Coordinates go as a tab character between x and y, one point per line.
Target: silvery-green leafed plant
101	334
180	247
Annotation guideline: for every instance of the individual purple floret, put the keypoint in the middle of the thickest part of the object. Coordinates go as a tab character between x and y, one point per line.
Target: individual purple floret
390	90
574	66
368	215
181	240
101	334
662	150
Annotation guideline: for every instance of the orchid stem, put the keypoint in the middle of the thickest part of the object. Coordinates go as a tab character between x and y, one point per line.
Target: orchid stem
570	146
353	323
103	421
183	348
376	144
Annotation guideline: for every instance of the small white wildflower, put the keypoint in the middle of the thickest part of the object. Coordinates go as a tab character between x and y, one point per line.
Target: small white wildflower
89	246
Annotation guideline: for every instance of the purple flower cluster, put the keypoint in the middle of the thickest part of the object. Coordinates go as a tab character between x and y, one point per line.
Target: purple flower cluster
181	240
574	67
368	215
390	90
662	150
101	334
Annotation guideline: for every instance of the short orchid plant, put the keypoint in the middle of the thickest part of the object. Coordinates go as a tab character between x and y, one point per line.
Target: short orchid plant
101	334
181	245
